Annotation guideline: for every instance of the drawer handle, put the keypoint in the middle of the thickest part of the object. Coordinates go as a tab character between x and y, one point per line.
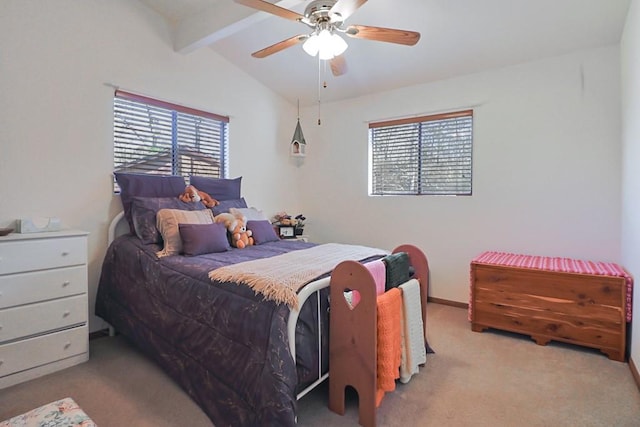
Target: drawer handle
66	283
1	362
65	253
66	313
67	345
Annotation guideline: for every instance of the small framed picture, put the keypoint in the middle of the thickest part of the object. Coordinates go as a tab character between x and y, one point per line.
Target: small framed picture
286	232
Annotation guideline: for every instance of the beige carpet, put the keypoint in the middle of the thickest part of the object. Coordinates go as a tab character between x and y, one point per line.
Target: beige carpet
474	379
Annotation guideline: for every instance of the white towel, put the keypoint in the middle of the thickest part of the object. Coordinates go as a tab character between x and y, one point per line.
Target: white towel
413	344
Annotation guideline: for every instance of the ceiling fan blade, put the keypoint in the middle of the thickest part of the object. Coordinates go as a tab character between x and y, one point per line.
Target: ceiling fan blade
338	65
274	48
271	8
380	34
346	7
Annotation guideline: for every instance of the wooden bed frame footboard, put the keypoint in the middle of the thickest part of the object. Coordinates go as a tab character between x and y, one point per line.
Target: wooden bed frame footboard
582	309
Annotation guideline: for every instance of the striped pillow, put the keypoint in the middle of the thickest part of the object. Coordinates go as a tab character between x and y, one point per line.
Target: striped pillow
167	221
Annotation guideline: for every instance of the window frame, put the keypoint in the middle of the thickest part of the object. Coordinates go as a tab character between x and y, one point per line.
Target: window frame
416	152
180	115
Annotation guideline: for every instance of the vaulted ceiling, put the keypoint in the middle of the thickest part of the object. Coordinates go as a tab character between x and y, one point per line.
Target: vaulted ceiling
458	37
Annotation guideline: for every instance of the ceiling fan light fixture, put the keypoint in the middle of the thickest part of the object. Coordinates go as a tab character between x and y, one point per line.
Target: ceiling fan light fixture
325	53
338	45
325	43
312	45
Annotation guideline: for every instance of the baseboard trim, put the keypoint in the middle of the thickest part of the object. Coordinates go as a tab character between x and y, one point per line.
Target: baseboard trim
448	302
634	372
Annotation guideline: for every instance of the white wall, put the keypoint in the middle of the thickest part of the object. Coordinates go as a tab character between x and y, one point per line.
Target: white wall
546	168
56	118
630	54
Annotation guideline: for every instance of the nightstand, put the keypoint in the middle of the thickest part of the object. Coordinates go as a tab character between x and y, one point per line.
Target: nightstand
43	304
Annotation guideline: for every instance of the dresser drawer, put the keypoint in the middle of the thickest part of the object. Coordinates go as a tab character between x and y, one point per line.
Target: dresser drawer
32	319
39	254
25	288
30	353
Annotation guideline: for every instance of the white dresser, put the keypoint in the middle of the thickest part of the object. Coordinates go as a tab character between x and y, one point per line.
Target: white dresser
43	304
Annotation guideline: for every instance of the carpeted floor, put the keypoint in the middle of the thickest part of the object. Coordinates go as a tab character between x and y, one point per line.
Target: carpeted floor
474	379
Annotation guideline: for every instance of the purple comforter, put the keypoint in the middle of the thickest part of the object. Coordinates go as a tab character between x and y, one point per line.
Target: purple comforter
225	345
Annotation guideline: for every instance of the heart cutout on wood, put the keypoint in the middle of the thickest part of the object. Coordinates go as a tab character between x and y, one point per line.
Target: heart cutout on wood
352	298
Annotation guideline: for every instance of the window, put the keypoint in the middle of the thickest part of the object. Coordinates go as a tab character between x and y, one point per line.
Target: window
425	155
152	136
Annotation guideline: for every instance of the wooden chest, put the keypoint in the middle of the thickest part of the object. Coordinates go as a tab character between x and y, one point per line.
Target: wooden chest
582	309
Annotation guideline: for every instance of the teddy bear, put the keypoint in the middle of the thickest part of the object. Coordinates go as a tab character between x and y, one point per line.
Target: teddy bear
236	226
241	237
192	194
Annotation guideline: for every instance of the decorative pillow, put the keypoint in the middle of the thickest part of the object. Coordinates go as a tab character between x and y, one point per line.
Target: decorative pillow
198	239
263	231
146	185
225	205
143	214
251	214
218	188
167	221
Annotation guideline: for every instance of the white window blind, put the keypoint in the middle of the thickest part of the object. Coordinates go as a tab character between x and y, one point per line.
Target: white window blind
428	155
152	136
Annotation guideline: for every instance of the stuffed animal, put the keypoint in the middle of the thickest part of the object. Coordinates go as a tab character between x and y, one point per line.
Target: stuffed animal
236	226
241	237
192	194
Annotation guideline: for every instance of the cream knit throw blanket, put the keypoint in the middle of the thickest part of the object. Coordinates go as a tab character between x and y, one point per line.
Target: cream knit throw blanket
414	353
280	277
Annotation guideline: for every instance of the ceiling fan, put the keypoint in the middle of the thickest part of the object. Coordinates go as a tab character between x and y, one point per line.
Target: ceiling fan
326	19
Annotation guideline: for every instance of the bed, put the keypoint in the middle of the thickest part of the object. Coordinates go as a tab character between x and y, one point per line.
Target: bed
226	345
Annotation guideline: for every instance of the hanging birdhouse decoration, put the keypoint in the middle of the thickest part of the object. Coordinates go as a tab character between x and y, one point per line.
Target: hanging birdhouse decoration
298	144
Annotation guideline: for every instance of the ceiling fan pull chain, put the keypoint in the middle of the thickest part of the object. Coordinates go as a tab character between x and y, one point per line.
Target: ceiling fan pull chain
324	73
319	89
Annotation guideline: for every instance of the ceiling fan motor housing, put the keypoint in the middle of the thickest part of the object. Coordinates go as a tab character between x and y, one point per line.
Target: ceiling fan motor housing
318	11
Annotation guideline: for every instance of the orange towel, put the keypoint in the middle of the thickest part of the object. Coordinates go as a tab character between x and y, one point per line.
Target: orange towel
389	341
